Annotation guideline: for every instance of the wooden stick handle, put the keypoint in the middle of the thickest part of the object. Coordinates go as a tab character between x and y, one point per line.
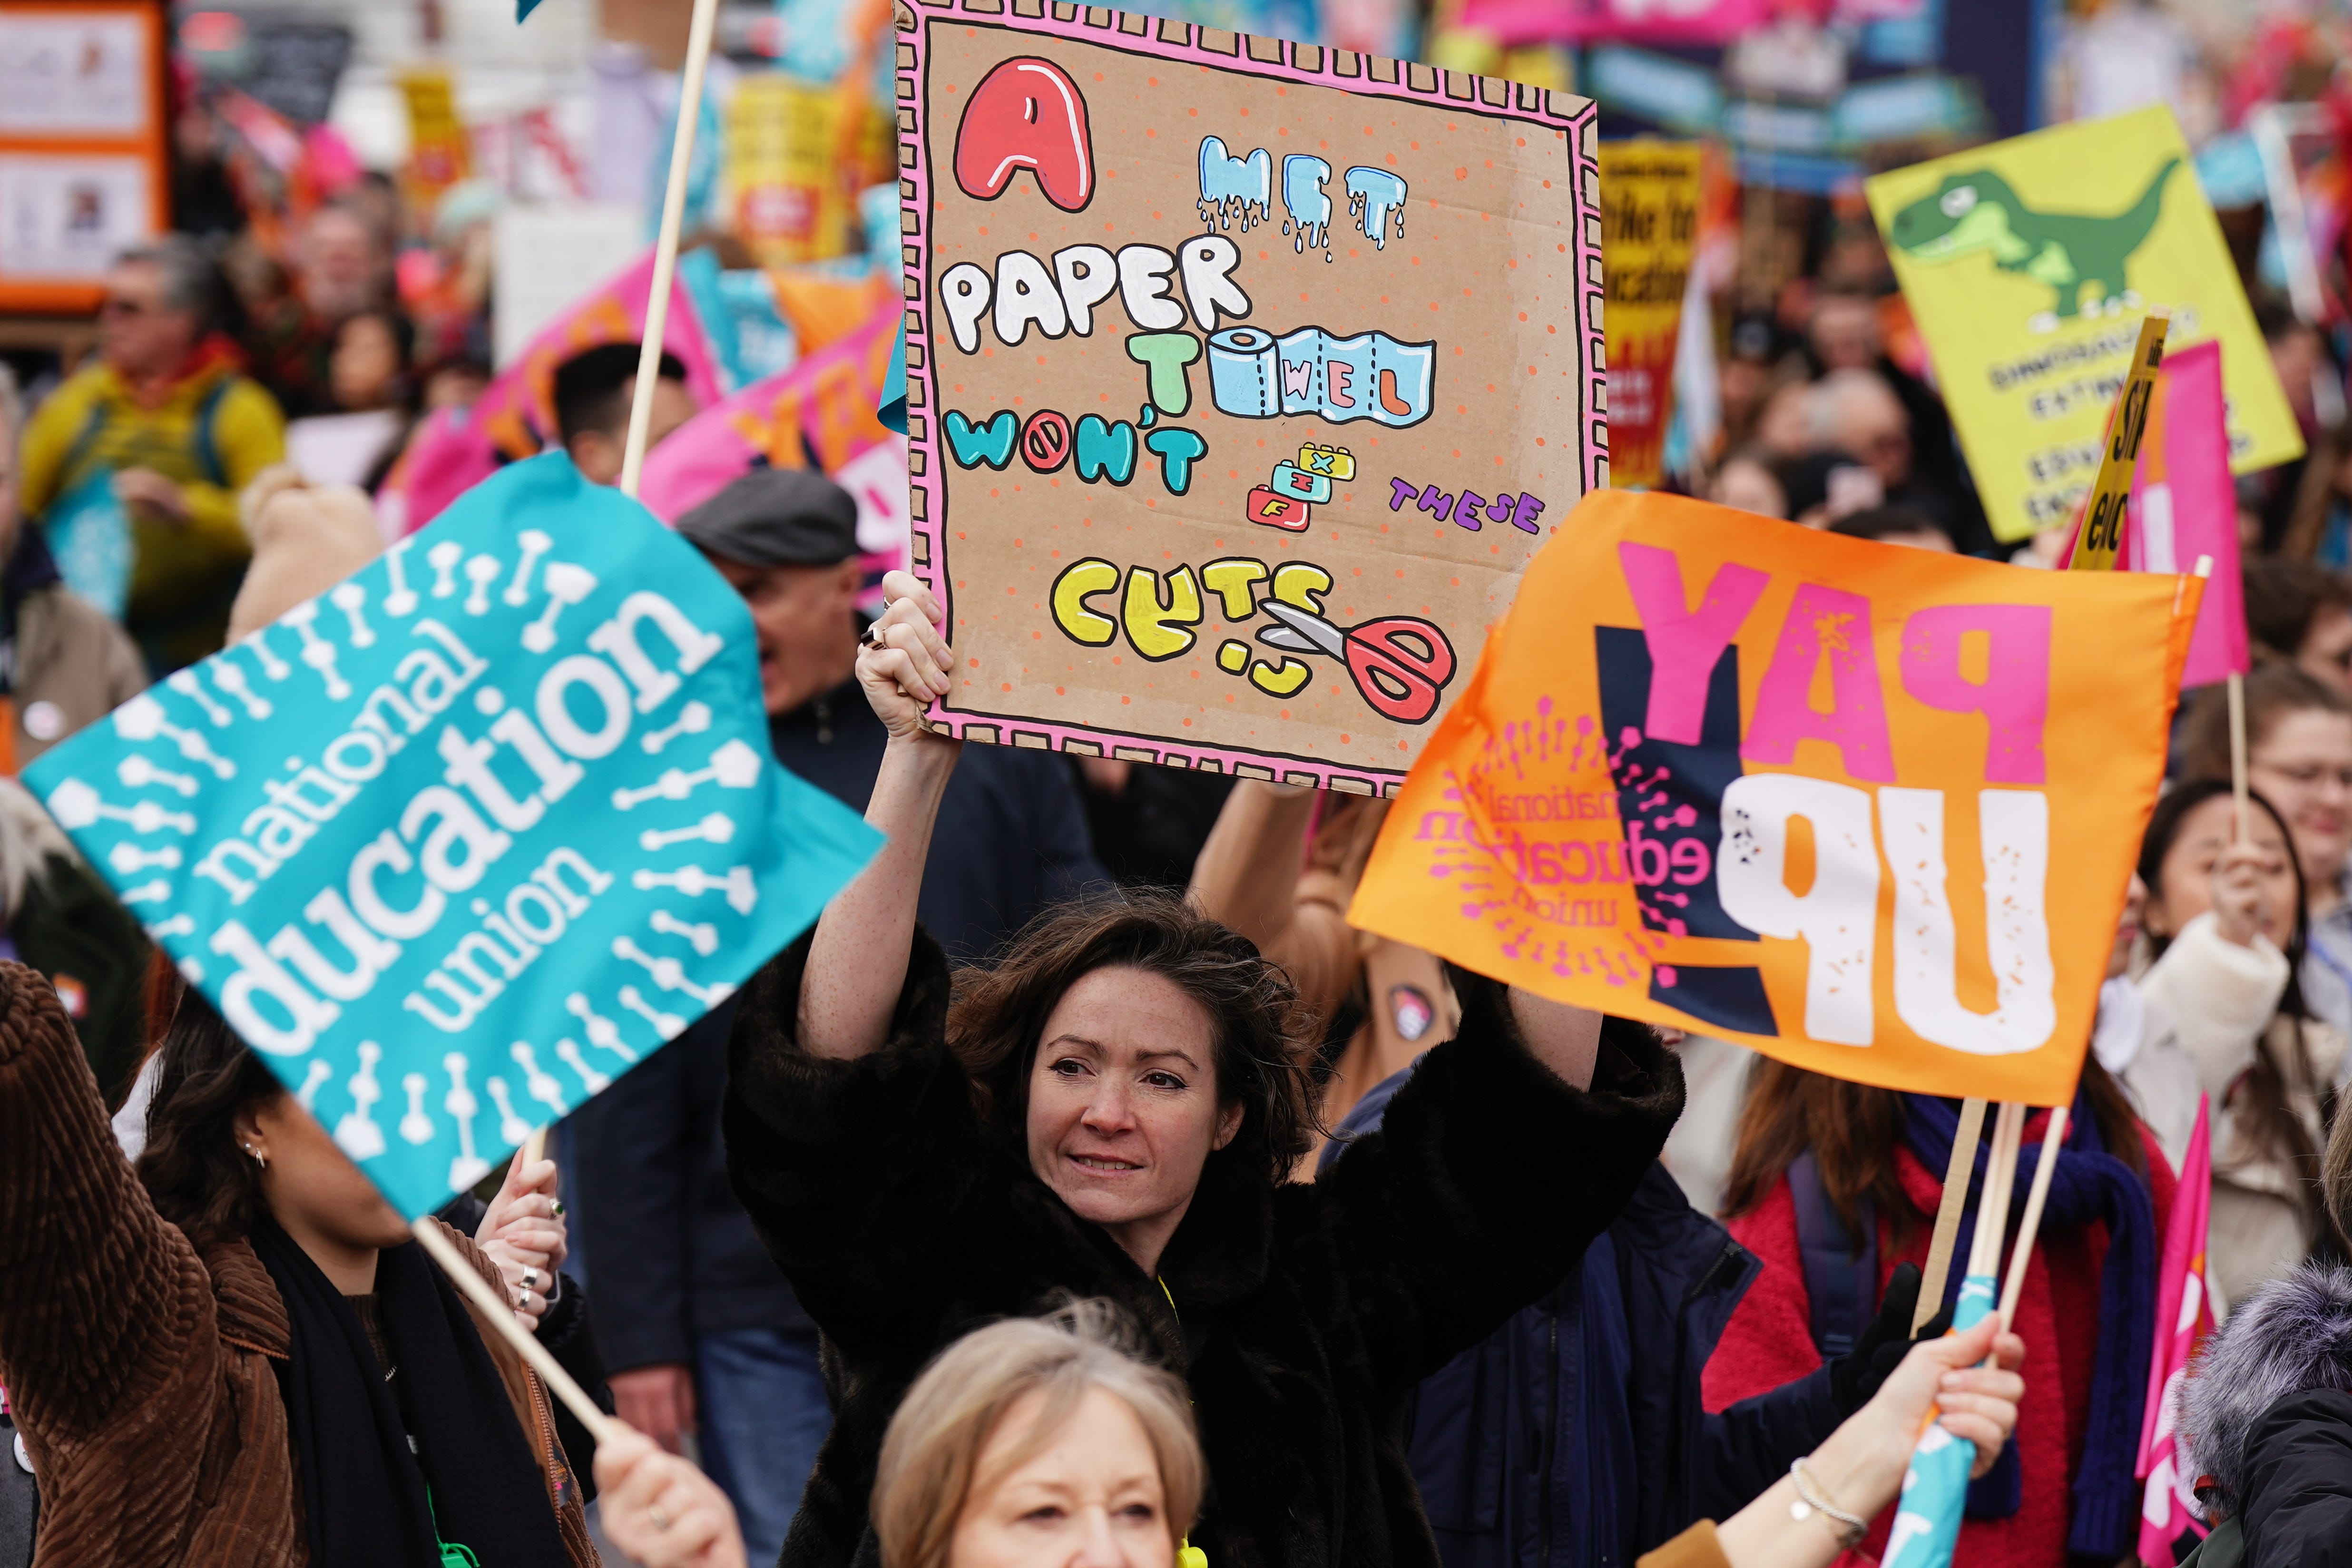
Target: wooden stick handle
1948	1212
2053	1137
681	161
534	1148
2000	1178
500	1313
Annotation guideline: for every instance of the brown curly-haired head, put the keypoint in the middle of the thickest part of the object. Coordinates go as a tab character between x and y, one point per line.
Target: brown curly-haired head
999	1015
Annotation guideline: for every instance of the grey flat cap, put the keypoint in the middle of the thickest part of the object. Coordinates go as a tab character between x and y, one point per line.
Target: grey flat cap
776	517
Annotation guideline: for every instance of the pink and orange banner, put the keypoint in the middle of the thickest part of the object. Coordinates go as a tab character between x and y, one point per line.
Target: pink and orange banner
819	411
1810	792
515	417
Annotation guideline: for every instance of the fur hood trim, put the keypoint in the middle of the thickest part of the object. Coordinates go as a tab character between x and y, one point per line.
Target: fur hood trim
2292	1335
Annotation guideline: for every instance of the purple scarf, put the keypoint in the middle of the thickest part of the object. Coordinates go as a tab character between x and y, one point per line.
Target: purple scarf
2088	1184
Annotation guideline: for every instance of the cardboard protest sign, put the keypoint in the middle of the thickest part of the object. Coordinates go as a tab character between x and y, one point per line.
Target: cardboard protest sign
1243	377
455	844
1649	223
2029	264
1870	810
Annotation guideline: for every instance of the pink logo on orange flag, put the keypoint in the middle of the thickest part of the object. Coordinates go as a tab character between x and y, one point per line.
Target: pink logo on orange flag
2184	1316
1871	810
515	417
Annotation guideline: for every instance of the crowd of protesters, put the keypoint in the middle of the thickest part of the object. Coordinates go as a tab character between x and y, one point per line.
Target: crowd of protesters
1091	1039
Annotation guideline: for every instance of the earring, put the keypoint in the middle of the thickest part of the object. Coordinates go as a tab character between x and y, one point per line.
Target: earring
260	1158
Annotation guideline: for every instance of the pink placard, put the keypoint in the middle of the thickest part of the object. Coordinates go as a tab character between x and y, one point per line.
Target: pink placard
2185	505
1517	22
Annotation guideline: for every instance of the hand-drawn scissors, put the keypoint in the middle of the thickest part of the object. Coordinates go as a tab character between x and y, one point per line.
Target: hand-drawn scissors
1399	679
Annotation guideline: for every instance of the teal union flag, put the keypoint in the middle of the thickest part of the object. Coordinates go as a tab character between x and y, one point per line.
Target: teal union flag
456	844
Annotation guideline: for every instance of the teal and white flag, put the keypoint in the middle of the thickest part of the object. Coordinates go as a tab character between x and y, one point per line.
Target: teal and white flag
457	843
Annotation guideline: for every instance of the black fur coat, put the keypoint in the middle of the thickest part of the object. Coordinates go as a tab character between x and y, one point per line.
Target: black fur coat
1308	1313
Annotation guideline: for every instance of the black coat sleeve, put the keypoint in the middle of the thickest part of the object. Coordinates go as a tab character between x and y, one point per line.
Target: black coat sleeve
1747	1448
1489	1178
871	1182
2298	1486
637	1153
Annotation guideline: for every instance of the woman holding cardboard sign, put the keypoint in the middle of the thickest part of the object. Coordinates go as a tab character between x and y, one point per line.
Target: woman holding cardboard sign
1113	1110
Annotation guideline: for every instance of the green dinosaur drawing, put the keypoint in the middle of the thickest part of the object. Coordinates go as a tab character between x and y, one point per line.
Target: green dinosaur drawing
1978	211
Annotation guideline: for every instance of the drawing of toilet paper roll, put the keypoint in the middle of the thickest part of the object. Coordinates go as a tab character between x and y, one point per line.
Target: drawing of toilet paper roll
1254	375
1243	369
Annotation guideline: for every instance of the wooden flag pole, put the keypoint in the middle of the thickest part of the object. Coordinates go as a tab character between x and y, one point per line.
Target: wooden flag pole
1957	1172
681	160
2053	1137
2001	1181
500	1313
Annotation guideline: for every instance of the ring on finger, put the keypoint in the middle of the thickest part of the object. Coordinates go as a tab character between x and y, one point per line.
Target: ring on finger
873	637
653	1510
530	1276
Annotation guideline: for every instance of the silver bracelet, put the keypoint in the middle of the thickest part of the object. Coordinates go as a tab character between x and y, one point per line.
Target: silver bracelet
1814	1499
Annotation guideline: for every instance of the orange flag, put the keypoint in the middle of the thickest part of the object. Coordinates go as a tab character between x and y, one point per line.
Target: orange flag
1868	809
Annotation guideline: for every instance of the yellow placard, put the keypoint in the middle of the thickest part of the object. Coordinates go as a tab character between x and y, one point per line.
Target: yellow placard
2100	539
790	150
440	154
1870	810
1649	222
2029	264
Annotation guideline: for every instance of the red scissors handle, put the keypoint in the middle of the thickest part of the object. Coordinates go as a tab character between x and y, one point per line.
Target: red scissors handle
1400	679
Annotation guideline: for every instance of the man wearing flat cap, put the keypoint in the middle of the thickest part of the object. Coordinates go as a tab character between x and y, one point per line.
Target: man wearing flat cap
699	1327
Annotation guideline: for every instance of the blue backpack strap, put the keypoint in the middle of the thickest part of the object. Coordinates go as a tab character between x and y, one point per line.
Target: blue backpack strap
1841	1273
208	457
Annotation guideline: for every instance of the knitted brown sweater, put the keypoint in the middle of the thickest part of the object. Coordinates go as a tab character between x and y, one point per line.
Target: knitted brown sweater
139	1368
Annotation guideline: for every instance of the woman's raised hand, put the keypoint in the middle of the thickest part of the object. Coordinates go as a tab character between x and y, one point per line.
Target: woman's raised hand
2238	875
524	1232
903	661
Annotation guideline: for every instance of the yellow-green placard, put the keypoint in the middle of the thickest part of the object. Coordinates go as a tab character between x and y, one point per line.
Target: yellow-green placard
2029	265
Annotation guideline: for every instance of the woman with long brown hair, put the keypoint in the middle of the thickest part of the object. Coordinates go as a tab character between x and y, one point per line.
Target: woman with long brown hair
1114	1110
1831	1177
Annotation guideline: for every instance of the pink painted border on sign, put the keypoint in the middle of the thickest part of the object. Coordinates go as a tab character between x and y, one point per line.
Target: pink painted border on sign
1274	59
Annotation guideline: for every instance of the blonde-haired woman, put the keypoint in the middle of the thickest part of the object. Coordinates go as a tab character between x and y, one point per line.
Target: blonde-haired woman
1039	1443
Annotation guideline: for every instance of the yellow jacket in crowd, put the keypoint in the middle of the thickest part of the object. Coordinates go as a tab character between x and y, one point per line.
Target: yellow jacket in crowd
210	432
